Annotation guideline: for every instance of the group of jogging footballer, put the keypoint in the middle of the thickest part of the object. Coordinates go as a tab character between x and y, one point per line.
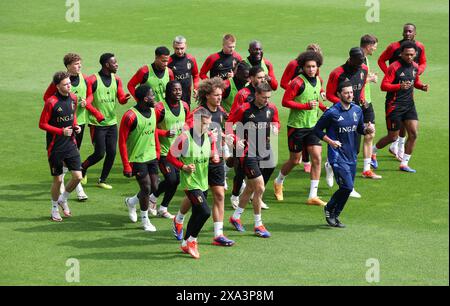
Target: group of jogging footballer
229	125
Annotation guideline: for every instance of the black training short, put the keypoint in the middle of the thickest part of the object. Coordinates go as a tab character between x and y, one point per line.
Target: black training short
251	167
71	159
197	196
301	138
141	170
216	174
397	114
165	167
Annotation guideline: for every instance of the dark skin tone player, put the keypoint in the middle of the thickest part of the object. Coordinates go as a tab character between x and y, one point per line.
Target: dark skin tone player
107	91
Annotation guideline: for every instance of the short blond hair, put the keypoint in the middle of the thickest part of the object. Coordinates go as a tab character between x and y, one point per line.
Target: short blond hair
229	37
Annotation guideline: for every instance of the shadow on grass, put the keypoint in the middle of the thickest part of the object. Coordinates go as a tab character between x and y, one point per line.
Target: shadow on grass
292	228
92	181
134	255
25	192
83	223
138	239
41	185
25	220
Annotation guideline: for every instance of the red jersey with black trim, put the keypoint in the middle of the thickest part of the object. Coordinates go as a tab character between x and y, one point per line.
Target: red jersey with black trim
127	125
397	73
59	112
75	80
219	64
358	78
245	95
185	70
295	89
292	71
141	77
392	54
257	120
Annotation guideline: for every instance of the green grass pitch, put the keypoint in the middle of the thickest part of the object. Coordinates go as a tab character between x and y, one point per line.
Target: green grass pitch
402	220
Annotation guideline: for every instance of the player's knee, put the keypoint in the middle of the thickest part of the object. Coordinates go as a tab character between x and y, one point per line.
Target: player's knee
111	153
259	189
172	180
219	197
100	154
249	188
413	134
58	179
77	176
316	159
392	138
346	189
154	187
207	212
146	190
204	212
296	160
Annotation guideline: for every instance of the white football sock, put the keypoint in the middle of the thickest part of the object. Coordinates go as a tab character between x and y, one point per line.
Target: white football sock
401	146
280	178
237	213
54	206
313	189
162	209
180	218
366	164
144	215
153	198
63	187
218	229
192	239
394	145
64	196
79	188
134	200
258	220
242	187
405	160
